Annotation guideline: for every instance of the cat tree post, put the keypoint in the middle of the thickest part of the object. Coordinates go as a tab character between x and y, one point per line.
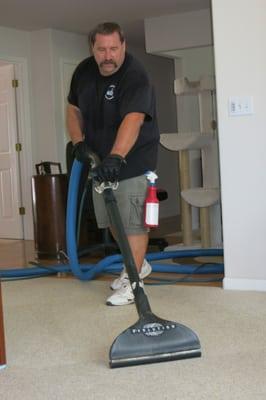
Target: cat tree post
184	179
205	227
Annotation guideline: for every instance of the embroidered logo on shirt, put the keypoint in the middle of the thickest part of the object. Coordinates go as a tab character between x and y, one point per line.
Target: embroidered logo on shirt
109	95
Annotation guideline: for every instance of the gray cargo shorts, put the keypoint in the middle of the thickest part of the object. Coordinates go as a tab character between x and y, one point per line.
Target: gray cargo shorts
130	196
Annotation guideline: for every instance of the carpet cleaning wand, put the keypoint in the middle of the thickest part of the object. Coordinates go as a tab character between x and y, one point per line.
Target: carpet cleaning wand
151	339
151	208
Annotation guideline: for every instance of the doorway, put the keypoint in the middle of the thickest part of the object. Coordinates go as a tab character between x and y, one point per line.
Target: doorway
11	222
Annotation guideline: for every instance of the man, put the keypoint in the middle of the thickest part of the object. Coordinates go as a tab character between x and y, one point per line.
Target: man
111	111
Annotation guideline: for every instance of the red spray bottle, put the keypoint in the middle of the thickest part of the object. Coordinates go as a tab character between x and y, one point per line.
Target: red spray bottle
151	203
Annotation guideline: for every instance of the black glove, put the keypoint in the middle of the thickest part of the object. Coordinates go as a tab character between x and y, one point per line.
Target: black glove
81	151
109	169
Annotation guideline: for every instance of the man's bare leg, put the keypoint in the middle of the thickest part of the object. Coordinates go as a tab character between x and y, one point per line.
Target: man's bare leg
138	245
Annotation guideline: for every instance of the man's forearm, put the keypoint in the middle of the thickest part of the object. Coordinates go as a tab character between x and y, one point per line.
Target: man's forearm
128	133
74	123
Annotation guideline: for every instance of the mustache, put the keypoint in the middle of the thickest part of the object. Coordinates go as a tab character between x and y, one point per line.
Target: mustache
108	62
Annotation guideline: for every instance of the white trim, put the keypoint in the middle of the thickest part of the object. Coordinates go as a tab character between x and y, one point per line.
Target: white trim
24	134
258	285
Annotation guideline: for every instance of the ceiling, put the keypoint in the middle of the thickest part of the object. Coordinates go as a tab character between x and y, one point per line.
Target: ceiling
81	15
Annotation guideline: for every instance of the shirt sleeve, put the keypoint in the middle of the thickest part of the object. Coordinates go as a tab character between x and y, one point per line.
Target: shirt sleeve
72	97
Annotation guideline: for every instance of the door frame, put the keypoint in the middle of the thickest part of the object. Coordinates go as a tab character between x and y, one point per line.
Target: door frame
25	138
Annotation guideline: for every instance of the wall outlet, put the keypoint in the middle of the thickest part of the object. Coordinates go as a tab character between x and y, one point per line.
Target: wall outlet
240	105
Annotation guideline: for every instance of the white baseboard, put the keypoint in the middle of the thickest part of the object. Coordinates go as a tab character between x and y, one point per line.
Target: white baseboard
258	285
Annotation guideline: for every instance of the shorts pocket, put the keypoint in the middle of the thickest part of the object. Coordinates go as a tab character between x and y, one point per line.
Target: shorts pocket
136	212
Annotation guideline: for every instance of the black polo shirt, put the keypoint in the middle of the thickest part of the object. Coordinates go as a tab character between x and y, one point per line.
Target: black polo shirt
105	100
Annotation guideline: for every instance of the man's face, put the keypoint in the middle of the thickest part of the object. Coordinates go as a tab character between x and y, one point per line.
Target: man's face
109	53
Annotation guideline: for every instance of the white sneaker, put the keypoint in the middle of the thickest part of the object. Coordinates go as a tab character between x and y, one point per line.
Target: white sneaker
122	296
118	282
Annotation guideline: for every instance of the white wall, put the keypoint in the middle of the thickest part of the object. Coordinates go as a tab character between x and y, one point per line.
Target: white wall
240	60
178	31
14	43
43	104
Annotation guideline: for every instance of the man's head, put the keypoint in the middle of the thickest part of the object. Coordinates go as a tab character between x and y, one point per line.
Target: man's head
108	47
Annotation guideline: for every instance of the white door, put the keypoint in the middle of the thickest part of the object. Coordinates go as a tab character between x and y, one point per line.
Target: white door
11	224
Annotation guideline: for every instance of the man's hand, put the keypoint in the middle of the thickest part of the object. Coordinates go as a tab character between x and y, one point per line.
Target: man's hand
109	169
81	152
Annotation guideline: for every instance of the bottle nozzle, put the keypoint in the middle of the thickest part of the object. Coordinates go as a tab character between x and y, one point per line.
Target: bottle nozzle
151	176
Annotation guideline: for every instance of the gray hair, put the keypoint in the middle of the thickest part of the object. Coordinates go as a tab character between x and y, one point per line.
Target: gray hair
106	28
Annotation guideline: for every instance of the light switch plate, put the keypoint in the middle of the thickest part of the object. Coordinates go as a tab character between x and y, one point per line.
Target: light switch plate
240	105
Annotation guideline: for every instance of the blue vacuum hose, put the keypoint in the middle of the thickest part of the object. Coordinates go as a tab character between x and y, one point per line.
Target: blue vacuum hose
110	264
71	223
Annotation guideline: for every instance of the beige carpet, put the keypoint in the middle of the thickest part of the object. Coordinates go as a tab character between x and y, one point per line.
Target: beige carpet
59	331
